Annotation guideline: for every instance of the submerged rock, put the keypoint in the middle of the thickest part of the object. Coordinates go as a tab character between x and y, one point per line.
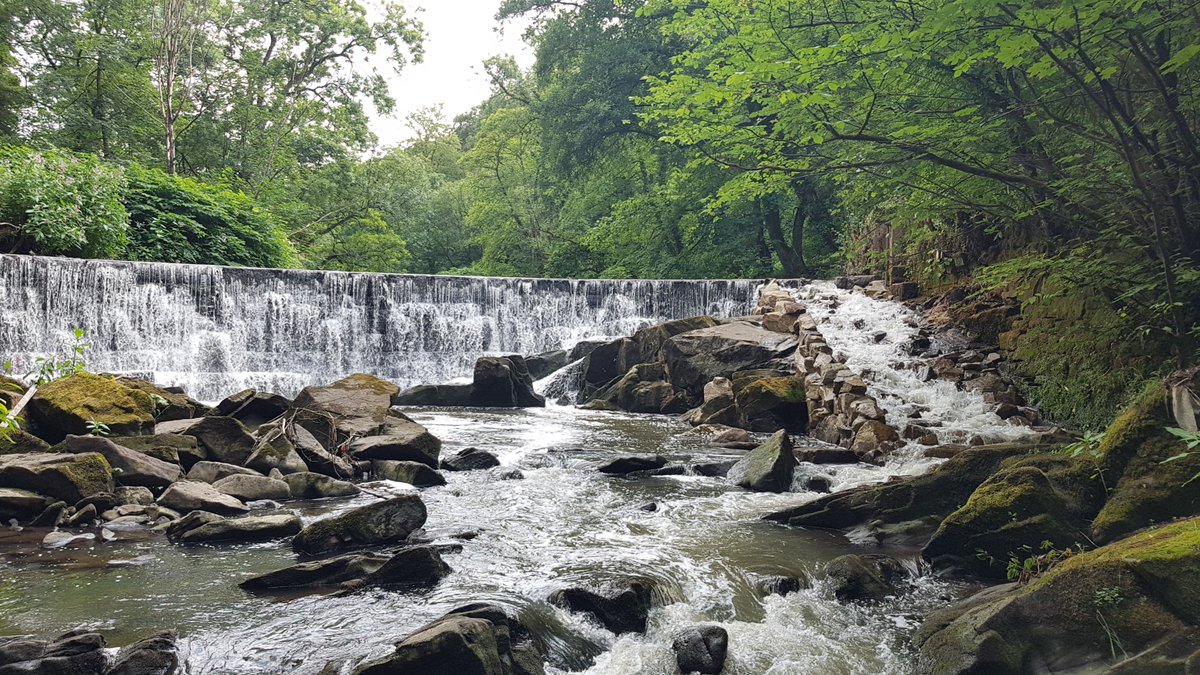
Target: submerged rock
865	577
470	459
330	572
633	463
624	609
385	522
701	649
769	467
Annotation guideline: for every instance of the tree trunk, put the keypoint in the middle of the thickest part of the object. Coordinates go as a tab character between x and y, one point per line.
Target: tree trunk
792	262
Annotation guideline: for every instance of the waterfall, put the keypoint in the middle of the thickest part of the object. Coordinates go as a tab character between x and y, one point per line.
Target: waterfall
217	330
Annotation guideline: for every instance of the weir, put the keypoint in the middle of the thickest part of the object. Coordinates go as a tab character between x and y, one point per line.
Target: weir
217	330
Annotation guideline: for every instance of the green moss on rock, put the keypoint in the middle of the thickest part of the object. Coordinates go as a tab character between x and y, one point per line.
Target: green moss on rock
66	406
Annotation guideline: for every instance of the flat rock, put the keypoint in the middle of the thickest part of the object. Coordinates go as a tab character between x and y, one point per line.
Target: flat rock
308	485
413	473
190	495
129	467
69	477
211	472
201	526
254	488
403	440
632	463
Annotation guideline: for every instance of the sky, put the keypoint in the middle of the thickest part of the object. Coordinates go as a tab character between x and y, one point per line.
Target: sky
459	35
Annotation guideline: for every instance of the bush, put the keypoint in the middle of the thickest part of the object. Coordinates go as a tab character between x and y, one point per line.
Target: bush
181	220
56	202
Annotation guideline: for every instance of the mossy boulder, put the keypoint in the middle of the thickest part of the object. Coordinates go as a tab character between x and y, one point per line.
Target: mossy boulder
66	477
772	403
385	522
905	510
358	404
769	467
174	448
644	389
68	405
1146	490
130	467
17	441
168	405
1031	500
1135	593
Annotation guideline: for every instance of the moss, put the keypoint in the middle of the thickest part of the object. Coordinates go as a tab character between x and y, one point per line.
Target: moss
66	406
90	472
18	442
789	389
363	382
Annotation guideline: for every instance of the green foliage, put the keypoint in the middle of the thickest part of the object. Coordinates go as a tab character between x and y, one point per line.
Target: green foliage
1034	565
47	369
60	203
1191	439
1088	445
181	220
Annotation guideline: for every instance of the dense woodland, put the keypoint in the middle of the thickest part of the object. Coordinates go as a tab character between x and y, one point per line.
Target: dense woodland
652	138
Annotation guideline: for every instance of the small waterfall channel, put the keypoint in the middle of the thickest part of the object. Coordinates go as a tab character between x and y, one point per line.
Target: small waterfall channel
563	524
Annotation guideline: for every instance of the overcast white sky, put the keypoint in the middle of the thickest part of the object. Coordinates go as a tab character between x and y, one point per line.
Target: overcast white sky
459	35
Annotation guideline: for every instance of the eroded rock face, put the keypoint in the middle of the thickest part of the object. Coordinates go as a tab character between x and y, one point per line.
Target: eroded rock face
769	467
68	405
357	404
1144	590
224	439
694	358
385	522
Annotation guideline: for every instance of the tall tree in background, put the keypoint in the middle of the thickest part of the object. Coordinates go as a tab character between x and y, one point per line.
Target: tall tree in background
179	24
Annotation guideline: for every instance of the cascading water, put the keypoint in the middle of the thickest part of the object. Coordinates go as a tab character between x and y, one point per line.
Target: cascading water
217	330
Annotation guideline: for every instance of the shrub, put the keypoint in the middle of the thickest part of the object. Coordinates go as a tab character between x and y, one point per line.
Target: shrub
182	220
55	202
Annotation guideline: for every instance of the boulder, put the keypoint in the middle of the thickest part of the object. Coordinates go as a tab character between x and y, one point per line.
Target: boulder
701	649
253	488
133	495
66	477
329	572
865	577
21	504
129	467
451	395
202	526
308	485
714	469
644	389
719	407
541	365
413	473
385	522
413	567
171	448
504	382
1031	500
68	405
623	608
768	468
907	510
168	404
224	439
874	436
357	404
696	357
190	495
454	645
401	439
18	442
211	472
633	463
75	653
155	655
470	459
1142	592
606	363
273	451
772	403
316	456
253	408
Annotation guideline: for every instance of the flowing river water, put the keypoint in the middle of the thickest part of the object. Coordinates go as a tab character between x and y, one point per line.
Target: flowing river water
563	524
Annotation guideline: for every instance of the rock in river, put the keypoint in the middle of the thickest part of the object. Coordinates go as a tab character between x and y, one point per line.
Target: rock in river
66	477
386	522
701	649
413	473
769	467
254	488
190	495
130	467
623	610
201	526
308	485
